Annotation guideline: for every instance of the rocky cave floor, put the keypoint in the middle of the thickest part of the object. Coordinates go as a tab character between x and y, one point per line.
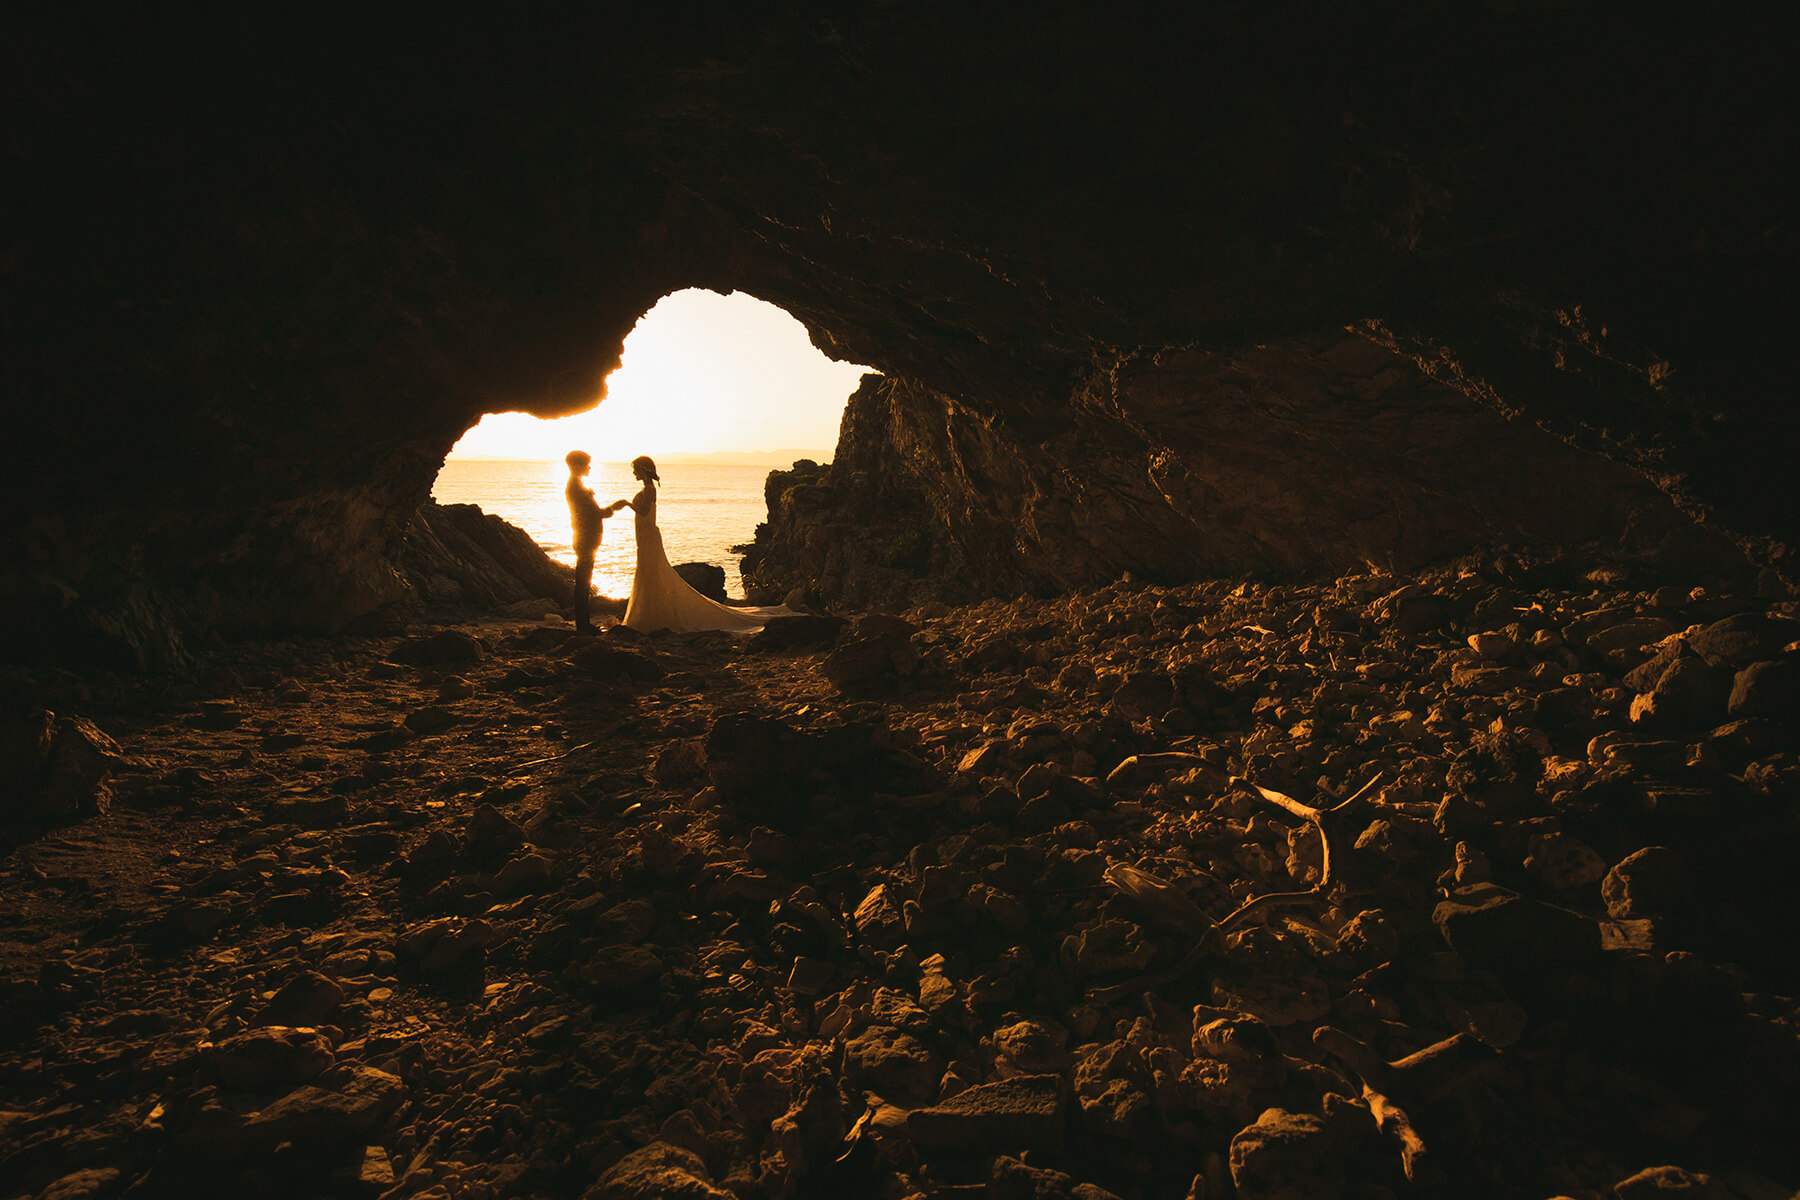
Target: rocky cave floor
982	902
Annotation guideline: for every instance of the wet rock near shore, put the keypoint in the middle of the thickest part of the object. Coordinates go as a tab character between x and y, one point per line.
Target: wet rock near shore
1392	885
706	578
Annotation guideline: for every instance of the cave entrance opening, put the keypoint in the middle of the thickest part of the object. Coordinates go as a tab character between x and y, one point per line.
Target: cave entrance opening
718	389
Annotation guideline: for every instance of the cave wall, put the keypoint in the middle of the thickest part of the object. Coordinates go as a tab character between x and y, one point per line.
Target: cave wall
267	274
269	268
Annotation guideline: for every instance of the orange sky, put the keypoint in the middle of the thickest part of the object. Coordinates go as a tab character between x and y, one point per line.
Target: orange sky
701	373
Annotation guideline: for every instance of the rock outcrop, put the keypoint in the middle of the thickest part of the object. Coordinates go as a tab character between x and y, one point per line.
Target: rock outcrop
1289	461
458	558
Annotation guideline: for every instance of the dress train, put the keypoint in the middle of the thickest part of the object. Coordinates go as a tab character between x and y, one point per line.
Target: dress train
662	599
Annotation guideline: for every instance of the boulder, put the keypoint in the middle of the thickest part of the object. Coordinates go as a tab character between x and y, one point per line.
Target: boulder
1767	689
1650	883
749	755
1287	1156
1689	691
1412	611
1109	945
658	1171
1026	1112
1627	635
623	972
458	557
1145	694
446	942
272	1056
1276	994
525	873
1501	931
1560	861
91	1183
73	783
1745	638
1014	1179
876	649
617	663
679	762
704	578
432	718
344	1107
449	647
879	917
1112	1086
893	1063
491	835
787	633
309	998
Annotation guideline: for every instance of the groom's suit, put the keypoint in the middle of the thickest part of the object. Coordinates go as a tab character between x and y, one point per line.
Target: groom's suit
586	519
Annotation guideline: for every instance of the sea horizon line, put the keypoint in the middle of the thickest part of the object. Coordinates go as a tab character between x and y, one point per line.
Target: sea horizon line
738	458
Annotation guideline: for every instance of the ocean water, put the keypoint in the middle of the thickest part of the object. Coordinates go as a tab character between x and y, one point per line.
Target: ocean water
703	508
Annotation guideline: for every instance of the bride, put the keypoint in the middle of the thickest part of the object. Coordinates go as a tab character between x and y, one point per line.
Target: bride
661	599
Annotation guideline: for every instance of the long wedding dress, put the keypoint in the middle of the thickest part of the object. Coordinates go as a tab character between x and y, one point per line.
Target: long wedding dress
661	599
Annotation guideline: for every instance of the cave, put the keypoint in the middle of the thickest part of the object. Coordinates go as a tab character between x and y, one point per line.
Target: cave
1222	304
268	274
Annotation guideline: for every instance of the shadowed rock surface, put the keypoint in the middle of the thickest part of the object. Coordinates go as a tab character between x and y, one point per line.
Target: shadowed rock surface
1372	887
1298	693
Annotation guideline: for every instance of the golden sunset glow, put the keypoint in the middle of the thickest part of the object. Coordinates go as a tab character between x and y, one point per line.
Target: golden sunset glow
702	373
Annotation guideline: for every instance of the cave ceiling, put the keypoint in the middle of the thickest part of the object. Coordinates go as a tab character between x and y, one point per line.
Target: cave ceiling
265	268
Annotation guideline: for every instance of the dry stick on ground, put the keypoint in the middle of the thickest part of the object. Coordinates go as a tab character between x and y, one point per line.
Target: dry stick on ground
1376	1074
1166	758
538	762
1423	1077
1143	983
1392	1120
1145	887
1317	817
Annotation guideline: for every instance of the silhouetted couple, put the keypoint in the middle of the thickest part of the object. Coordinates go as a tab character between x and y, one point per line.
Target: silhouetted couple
660	598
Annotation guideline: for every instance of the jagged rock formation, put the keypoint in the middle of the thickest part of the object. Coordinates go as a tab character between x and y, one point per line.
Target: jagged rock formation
460	558
263	276
1302	460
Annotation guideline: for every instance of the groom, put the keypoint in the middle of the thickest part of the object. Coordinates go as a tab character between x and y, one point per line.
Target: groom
585	515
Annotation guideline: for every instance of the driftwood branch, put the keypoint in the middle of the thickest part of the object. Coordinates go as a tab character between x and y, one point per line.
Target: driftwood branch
1171	905
1143	983
1427	1075
1261	904
1307	811
1422	1078
538	762
1392	1120
1160	761
1316	816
